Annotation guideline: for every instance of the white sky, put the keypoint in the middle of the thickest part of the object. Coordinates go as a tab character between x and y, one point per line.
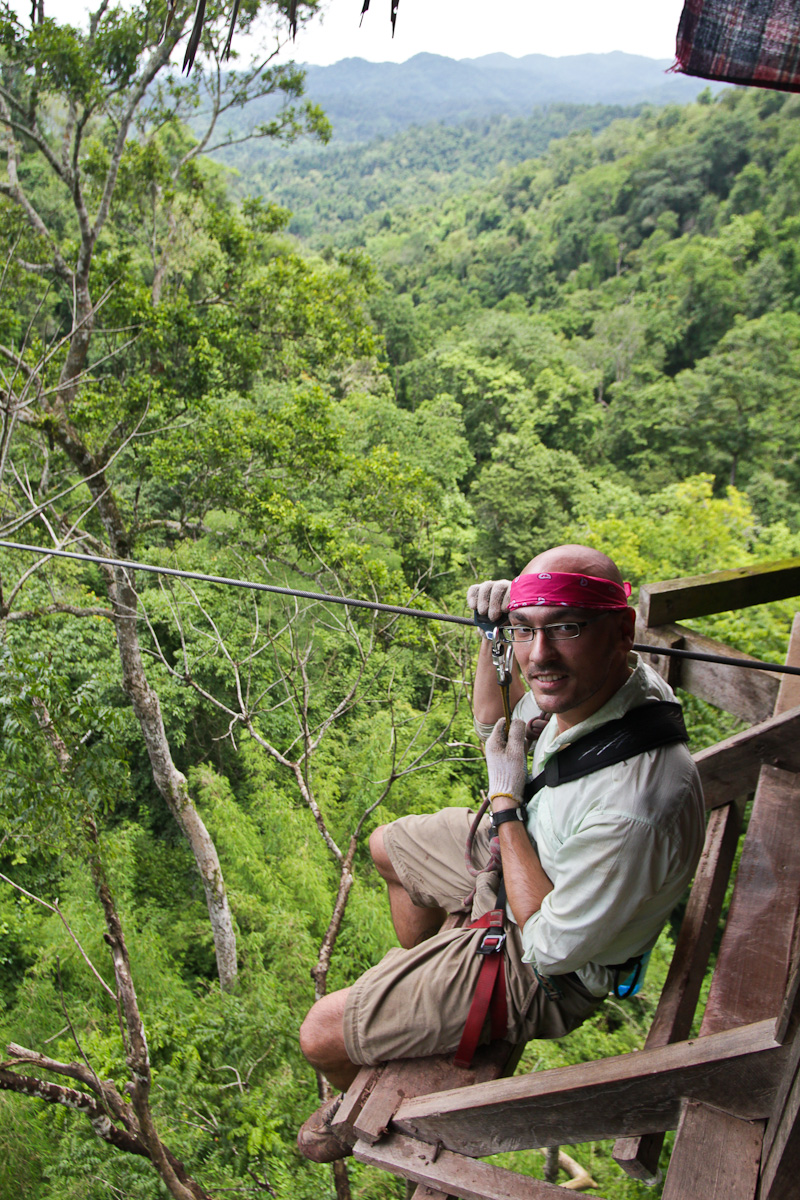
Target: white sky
470	28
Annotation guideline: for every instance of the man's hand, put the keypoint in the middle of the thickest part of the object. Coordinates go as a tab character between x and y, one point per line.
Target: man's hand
526	881
490	598
505	762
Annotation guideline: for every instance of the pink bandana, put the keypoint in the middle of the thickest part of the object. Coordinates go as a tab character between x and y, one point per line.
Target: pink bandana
567	589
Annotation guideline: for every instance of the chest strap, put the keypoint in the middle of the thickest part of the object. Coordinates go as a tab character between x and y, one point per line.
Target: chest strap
659	723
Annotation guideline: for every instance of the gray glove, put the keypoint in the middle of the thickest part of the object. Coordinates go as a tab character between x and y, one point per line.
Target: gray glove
505	760
490	599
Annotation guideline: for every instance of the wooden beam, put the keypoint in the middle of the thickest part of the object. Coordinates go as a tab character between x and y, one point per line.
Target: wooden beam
780	1171
747	694
730	768
673	1019
753	961
781	1155
415	1076
789	692
715	1156
632	1094
750	976
721	591
452	1174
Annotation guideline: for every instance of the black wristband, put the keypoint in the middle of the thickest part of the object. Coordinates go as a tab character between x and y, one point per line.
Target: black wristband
506	814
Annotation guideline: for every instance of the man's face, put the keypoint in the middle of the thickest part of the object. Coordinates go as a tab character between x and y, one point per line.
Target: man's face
574	678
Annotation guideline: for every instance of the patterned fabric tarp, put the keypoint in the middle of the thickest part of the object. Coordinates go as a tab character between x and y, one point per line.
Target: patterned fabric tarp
741	41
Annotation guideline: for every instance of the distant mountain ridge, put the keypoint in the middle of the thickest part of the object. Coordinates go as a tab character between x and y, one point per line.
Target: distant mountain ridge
366	100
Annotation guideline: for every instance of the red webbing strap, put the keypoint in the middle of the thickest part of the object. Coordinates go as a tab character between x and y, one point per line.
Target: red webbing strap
490	992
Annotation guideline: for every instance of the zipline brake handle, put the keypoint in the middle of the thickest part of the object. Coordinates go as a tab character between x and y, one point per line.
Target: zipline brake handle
502	657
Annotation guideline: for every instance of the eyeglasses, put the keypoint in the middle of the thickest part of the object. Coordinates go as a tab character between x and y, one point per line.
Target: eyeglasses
560	631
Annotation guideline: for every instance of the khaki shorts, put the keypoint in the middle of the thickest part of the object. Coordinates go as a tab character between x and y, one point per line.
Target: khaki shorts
415	1002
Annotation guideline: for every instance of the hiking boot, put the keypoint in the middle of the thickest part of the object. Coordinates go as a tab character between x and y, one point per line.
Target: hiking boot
315	1138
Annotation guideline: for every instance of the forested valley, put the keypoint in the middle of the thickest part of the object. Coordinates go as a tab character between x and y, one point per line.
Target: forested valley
598	343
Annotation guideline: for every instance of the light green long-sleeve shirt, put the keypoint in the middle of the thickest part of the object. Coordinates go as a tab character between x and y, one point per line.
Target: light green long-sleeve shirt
620	846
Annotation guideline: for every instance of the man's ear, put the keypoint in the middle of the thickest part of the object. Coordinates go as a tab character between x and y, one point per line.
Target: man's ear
628	628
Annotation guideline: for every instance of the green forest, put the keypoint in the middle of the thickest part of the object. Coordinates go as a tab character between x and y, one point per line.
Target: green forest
444	361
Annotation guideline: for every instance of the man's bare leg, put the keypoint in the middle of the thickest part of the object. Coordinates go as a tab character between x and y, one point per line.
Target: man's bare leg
412	924
322	1040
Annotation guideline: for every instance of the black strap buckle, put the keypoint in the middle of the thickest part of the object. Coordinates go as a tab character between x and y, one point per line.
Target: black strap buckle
492	942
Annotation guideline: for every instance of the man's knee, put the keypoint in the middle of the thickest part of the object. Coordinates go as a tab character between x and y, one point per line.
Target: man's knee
380	857
321	1034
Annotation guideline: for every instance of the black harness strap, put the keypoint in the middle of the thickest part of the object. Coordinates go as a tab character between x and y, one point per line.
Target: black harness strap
659	723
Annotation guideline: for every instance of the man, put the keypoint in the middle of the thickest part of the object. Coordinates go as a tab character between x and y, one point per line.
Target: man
591	874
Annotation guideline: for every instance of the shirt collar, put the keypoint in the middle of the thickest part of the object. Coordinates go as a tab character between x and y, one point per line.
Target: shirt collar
633	692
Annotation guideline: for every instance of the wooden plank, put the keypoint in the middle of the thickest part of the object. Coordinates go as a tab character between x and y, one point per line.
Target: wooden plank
753	961
789	691
639	1157
730	768
721	591
752	966
750	695
632	1094
417	1076
715	1155
668	667
780	1172
451	1173
354	1100
789	1014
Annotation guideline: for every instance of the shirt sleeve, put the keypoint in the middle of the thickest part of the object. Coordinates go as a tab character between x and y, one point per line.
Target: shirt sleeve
603	875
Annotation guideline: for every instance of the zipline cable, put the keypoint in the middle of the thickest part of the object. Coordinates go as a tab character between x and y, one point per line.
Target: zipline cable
376	606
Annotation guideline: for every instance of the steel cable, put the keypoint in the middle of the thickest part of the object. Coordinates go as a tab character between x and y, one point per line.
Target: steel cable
375	605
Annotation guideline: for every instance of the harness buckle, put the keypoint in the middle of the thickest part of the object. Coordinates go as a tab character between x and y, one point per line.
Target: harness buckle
492	942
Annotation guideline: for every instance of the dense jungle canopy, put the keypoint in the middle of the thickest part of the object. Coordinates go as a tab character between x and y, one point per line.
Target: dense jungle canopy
448	358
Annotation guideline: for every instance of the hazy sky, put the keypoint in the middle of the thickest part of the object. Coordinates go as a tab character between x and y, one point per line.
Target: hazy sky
469	28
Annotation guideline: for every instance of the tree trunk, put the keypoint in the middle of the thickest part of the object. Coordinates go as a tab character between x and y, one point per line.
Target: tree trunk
170	782
168	779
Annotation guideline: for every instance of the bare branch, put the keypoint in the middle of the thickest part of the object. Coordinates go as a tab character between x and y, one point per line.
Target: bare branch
72	610
55	909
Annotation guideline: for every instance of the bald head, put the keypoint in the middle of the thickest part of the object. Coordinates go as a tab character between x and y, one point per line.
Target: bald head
580	560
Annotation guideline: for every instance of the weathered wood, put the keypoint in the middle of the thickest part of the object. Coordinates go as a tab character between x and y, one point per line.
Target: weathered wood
668	667
789	1015
354	1100
673	1018
721	591
730	768
632	1094
423	1192
747	694
452	1173
753	961
789	690
780	1172
752	967
716	1155
437	1073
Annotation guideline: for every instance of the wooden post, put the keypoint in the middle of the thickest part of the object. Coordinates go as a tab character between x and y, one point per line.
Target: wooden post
673	1019
750	978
